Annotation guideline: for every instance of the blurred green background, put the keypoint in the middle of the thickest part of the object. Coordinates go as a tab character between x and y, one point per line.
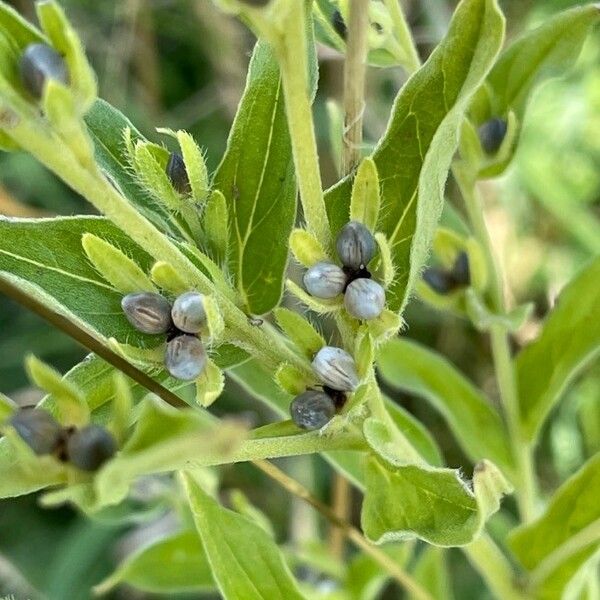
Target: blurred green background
181	64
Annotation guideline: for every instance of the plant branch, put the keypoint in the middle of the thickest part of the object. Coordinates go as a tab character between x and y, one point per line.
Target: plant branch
405	38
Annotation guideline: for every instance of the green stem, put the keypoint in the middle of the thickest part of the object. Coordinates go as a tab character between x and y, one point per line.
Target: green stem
404	35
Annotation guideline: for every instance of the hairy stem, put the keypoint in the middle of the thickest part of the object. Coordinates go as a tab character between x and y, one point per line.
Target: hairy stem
404	35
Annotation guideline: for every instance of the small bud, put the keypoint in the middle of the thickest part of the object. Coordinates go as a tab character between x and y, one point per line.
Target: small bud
185	358
336	368
438	280
355	245
89	448
491	134
39	63
325	280
312	409
338	24
460	270
188	312
177	173
38	428
364	299
147	312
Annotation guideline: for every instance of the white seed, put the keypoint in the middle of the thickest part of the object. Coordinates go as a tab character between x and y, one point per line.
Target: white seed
355	245
312	409
188	312
336	369
325	280
185	358
147	312
364	299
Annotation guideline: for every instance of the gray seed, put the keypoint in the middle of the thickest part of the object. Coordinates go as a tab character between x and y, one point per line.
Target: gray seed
39	63
188	312
364	299
185	358
491	134
177	173
355	245
89	448
312	409
336	369
439	280
325	280
147	312
38	428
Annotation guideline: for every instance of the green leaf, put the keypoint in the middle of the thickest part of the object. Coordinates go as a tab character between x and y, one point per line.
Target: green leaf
7	407
364	202
210	384
216	225
245	561
558	545
422	138
300	330
418	370
306	248
569	341
257	179
431	571
194	165
171	565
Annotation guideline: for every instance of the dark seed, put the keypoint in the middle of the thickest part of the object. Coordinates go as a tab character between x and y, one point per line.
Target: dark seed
177	173
355	245
460	270
338	24
147	312
491	135
38	428
312	409
89	448
439	280
39	63
185	358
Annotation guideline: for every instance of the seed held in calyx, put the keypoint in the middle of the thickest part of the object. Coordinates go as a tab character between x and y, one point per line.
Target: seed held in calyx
185	358
325	280
39	63
460	270
336	368
312	409
38	429
364	299
355	245
439	280
147	312
188	312
491	134
90	447
177	173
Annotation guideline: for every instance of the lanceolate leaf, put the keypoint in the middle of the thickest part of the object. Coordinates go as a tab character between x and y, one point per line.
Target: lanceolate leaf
257	179
556	546
569	340
414	155
245	561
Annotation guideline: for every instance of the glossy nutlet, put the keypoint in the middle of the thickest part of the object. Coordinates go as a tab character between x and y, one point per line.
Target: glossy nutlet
460	270
38	429
39	63
439	280
147	312
90	447
336	368
491	135
188	312
364	299
177	173
312	409
355	245
185	358
325	280
338	24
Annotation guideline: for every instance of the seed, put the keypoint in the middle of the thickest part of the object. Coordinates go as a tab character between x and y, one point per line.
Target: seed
364	299
177	173
39	63
336	368
147	312
312	409
338	24
188	312
185	358
355	245
491	134
38	428
439	280
89	448
460	270
325	280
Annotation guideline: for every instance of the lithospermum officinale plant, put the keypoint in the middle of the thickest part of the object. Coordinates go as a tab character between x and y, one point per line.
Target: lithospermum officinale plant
179	283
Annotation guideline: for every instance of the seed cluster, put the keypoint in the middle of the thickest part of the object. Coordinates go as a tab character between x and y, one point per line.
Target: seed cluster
364	298
185	357
40	62
87	448
444	281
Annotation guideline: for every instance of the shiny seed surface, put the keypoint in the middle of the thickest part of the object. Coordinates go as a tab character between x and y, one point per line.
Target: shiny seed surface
39	63
185	357
312	409
177	173
491	135
147	312
336	368
188	312
38	429
325	280
364	299
439	280
355	245
89	448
